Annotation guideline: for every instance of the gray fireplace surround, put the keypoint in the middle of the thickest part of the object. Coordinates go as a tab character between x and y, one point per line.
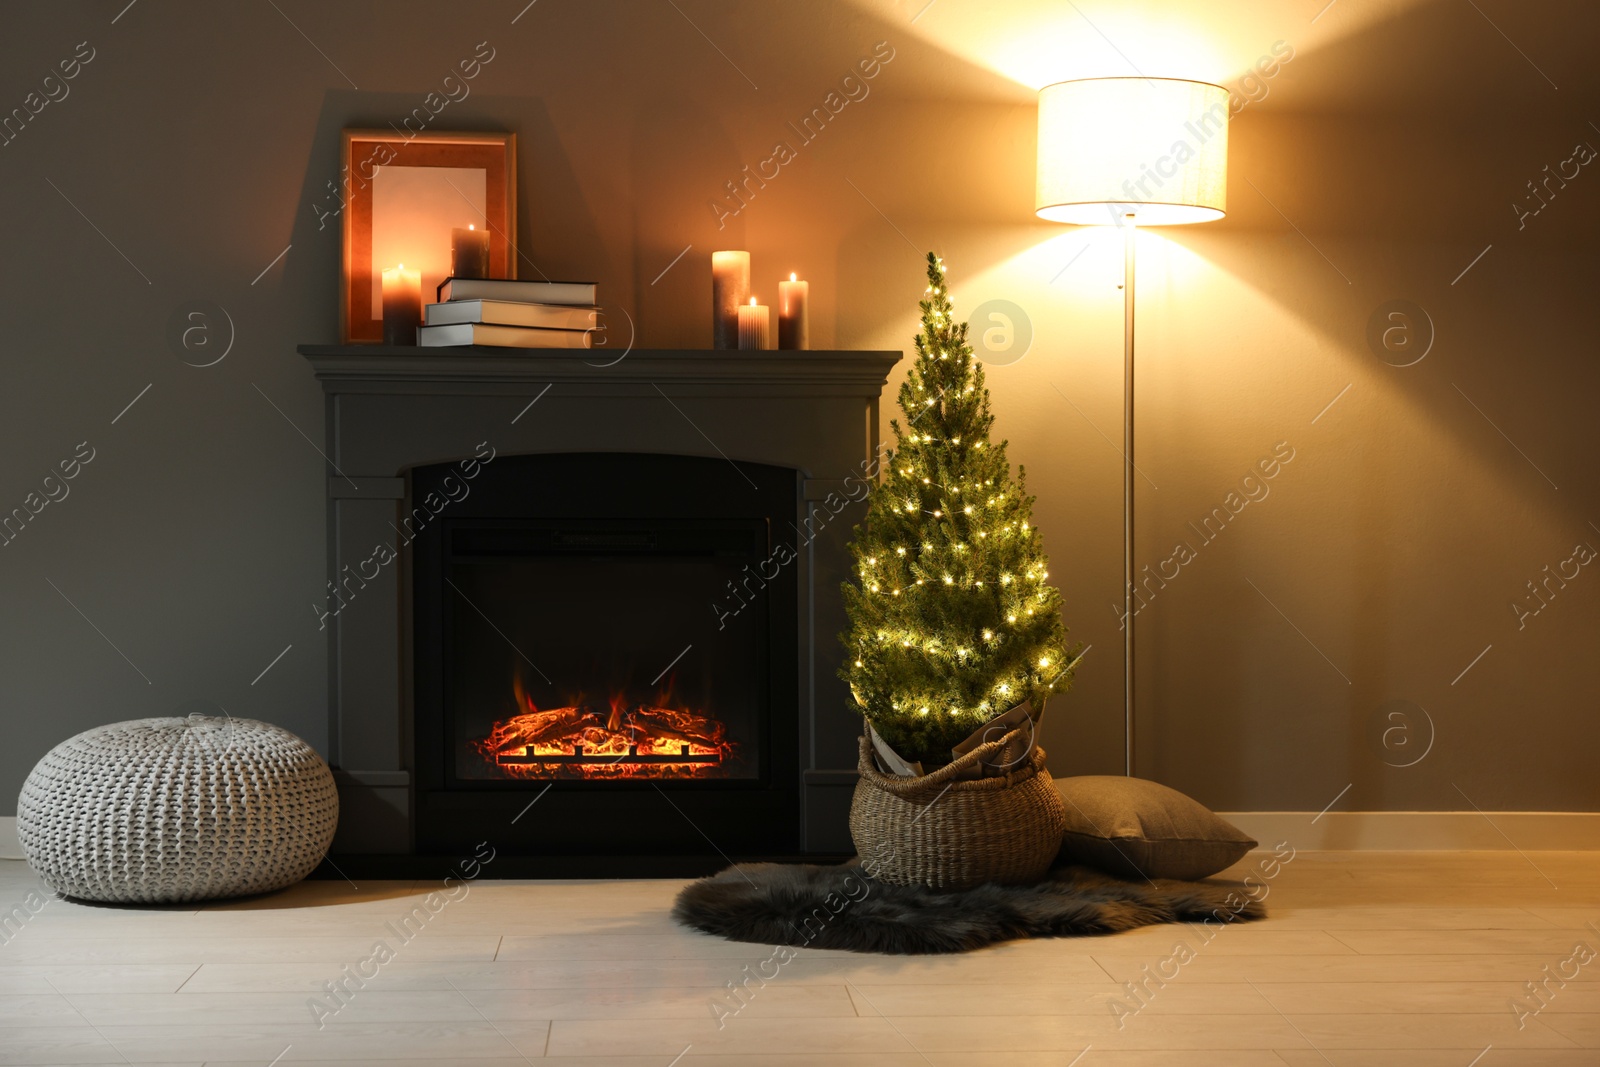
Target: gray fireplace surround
392	409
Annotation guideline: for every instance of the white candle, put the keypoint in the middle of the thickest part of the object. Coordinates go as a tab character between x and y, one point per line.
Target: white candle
402	305
755	326
730	285
794	320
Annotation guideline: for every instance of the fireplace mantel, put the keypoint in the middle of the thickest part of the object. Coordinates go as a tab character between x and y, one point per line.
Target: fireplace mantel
391	409
386	369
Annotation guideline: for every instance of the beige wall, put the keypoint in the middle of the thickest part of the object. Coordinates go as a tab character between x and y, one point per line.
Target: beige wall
1383	561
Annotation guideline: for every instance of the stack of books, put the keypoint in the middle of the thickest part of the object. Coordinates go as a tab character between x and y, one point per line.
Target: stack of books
510	314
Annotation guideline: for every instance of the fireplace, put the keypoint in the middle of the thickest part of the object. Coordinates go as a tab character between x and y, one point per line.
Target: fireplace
569	642
610	650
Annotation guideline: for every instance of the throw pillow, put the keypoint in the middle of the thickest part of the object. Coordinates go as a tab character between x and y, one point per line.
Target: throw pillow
1138	829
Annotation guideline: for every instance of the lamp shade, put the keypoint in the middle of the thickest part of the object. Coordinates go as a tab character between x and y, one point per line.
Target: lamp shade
1155	149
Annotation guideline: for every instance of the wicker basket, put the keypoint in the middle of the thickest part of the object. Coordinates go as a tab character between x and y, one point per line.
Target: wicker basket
940	831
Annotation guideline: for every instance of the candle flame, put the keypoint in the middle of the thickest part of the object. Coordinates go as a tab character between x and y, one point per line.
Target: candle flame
752	301
470	226
399	266
792	278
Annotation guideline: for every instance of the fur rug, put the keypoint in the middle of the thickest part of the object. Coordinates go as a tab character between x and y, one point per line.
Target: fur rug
844	908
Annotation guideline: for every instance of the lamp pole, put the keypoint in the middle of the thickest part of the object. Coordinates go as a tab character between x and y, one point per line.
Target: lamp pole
1128	234
1095	135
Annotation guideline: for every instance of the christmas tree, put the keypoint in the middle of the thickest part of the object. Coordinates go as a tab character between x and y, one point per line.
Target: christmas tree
952	621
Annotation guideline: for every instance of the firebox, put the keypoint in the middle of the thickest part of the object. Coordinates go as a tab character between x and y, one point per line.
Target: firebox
583	686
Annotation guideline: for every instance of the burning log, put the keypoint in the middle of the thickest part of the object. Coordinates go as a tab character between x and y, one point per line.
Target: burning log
615	739
658	722
548	725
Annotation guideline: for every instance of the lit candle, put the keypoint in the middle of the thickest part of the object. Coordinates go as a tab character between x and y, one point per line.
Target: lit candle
794	321
469	253
402	305
755	326
730	285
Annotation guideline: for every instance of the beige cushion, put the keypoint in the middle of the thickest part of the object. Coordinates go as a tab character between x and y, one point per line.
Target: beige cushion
1138	829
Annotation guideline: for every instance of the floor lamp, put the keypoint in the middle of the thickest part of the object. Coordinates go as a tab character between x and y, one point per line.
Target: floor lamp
1125	152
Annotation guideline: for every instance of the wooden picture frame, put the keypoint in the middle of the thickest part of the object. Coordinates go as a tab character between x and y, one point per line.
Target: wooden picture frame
364	153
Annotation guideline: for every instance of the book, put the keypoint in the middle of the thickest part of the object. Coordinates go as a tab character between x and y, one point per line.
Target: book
477	333
512	313
581	294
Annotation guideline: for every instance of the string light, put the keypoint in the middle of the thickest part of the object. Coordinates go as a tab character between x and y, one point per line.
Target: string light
955	425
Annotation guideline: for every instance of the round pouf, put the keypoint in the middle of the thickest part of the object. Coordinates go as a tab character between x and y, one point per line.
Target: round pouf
164	810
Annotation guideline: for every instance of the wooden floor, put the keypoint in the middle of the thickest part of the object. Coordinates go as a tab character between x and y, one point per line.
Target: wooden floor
1367	959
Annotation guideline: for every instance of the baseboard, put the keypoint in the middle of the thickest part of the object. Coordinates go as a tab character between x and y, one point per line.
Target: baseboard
1376	831
361	867
1423	831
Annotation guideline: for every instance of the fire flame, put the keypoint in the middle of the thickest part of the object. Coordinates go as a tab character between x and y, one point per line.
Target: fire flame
621	740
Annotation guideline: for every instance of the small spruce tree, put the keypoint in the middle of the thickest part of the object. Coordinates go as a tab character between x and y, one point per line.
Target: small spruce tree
951	619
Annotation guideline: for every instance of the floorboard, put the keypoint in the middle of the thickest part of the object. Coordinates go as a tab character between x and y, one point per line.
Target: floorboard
1366	960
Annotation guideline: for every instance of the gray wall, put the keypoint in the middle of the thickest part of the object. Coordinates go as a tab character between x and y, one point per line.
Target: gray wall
197	143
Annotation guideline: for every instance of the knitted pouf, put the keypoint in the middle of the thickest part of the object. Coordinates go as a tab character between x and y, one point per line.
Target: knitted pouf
165	810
